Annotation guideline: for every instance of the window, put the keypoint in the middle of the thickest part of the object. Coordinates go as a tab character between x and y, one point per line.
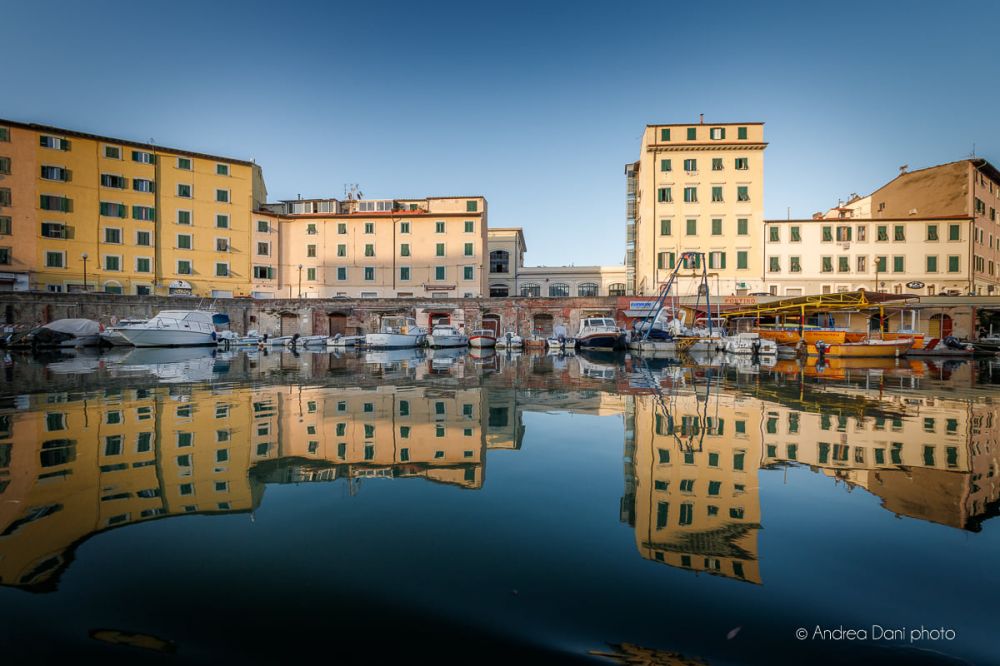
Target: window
439	250
742	226
311	229
55	259
716	259
717	164
311	250
899	232
112	263
112	235
691	165
691	195
843	234
469	249
587	289
827	264
664	134
742	164
741	133
222	221
341	273
692	133
46	201
716	227
470	227
142	265
5	166
184	267
663	195
439	227
882	233
369	227
881	264
499	261
665	227
145	213
184	163
369	273
184	241
222	169
742	193
827	234
439	273
795	265
558	289
616	289
665	165
5	198
5	256
665	260
954	232
468	273
183	217
843	264
222	196
183	190
50	172
404	272
342	228
221	269
774	234
311	274
222	245
263	273
143	157
263	226
717	133
263	249
716	193
862	264
53	142
471	206
932	232
774	265
953	261
742	259
4	134
6	225
108	209
692	227
932	263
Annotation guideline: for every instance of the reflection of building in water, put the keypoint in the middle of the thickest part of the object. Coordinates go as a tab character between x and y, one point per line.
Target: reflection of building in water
691	468
694	480
70	468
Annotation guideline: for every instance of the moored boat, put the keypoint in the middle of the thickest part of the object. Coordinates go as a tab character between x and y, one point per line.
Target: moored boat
445	335
483	337
599	333
112	335
750	343
396	333
510	340
866	349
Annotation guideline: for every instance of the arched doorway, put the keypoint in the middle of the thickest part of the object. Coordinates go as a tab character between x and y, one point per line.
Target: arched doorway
939	326
542	324
439	318
337	323
289	323
491	321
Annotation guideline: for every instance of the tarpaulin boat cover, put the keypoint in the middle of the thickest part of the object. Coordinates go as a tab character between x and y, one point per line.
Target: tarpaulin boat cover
76	327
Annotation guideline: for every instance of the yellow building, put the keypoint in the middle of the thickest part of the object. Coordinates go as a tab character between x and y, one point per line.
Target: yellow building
385	248
697	187
124	217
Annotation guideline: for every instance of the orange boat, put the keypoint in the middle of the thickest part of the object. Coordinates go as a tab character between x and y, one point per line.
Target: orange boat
918	338
867	349
826	335
781	336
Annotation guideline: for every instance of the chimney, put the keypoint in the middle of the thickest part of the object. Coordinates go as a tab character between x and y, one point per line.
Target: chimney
903	169
701	118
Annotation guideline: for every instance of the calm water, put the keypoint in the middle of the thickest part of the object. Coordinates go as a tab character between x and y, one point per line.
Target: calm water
182	506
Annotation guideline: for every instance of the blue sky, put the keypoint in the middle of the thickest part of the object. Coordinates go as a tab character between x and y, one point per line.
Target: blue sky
537	106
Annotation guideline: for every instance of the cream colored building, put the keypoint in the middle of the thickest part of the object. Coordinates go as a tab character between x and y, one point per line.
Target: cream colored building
508	276
385	248
697	187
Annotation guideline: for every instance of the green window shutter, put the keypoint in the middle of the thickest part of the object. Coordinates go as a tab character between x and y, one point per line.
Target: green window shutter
659	259
741	133
672	259
932	264
716	227
953	264
664	134
469	250
665	227
827	234
741	259
722	260
742	226
954	232
664	165
692	133
692	227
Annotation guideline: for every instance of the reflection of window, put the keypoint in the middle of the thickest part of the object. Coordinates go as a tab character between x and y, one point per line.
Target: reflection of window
531	289
559	289
587	289
499	261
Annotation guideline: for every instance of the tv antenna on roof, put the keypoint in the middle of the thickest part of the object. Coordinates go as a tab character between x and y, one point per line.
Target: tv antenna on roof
351	192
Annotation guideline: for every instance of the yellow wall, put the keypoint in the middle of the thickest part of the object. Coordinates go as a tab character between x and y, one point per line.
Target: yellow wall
20	150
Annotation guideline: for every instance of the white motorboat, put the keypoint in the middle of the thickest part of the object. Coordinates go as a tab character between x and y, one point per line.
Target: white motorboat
176	328
445	335
510	340
341	340
113	336
309	340
396	333
751	344
560	344
483	337
599	333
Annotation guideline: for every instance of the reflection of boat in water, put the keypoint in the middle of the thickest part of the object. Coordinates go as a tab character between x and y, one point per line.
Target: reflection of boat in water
445	358
389	356
593	368
75	363
171	364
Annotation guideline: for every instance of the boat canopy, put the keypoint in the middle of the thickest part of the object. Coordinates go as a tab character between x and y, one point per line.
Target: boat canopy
76	327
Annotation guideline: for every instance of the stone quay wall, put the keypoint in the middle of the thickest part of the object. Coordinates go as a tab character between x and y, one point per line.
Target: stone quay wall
19	310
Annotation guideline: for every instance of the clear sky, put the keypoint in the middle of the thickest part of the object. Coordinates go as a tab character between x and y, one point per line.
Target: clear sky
536	105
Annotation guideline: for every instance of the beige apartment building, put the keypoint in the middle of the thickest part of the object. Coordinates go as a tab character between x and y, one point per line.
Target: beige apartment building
385	248
932	231
508	276
697	187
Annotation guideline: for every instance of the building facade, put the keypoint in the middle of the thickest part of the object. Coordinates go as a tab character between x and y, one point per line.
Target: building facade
86	212
386	248
697	187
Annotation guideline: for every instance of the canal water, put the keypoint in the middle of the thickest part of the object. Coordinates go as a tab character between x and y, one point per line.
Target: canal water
192	506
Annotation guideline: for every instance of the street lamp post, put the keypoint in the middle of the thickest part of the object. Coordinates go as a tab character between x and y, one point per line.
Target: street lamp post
85	271
300	280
